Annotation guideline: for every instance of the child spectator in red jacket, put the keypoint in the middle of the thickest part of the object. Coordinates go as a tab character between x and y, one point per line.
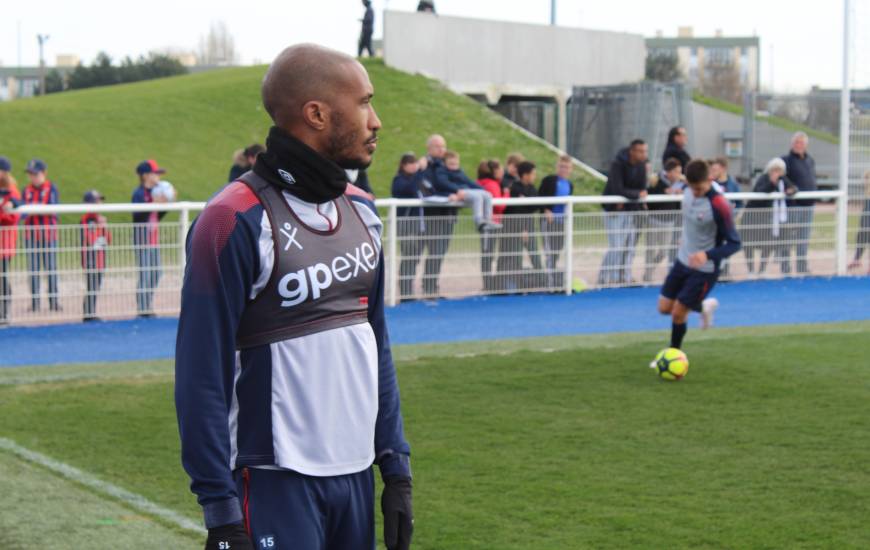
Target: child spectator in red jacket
95	238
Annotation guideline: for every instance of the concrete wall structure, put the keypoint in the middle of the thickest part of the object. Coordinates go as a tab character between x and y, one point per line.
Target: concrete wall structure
770	141
496	58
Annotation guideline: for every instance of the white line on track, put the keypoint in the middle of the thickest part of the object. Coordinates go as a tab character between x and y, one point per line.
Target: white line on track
137	502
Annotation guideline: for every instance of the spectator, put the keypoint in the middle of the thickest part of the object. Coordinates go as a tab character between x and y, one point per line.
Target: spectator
440	225
146	236
489	176
426	6
763	228
719	172
243	160
10	199
553	222
520	233
240	165
368	27
721	177
627	178
800	168
862	240
663	216
676	147
473	194
510	177
412	225
95	238
40	236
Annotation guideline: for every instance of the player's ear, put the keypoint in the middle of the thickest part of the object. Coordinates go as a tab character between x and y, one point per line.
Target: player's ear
315	114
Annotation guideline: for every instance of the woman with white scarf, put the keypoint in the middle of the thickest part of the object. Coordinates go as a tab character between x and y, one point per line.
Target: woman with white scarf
764	221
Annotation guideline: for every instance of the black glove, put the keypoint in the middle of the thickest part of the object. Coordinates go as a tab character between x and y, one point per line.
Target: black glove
228	537
398	513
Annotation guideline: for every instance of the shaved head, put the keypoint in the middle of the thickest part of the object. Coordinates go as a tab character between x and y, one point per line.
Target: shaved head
323	98
303	73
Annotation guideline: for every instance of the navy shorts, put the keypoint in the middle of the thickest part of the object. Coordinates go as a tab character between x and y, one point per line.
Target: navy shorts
287	510
688	286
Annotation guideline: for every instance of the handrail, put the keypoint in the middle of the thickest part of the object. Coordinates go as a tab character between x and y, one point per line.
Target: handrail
187	206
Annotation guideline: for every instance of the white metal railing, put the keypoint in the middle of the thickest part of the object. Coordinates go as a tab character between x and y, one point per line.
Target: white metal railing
583	248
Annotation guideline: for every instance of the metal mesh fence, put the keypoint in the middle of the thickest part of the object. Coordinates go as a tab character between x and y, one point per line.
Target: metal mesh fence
69	279
603	120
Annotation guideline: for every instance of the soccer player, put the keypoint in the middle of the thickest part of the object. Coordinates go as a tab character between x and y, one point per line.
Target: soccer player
709	236
285	390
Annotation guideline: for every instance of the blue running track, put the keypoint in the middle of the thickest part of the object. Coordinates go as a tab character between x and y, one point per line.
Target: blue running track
815	300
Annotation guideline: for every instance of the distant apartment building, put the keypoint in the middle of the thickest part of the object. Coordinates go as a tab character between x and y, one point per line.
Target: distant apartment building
728	64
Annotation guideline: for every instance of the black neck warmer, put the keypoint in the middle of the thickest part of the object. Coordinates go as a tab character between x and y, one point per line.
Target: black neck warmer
299	169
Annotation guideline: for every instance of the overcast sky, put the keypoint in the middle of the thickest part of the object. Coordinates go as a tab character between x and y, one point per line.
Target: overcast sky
801	40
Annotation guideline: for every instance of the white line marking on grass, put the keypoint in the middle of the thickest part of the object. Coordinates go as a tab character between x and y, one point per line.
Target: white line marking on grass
137	502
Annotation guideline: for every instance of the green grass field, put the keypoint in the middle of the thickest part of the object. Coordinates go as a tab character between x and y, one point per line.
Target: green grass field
553	443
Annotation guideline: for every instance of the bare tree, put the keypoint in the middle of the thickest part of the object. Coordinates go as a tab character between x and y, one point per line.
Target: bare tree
722	80
217	47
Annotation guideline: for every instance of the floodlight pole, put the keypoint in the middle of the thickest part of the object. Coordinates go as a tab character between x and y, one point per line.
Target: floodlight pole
553	12
845	103
42	38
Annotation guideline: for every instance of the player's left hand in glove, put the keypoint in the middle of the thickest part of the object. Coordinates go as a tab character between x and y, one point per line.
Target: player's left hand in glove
228	537
398	513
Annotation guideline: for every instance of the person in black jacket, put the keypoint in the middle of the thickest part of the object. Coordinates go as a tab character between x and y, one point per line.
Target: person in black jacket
519	233
411	227
368	27
553	222
676	147
426	6
439	226
764	221
627	178
800	168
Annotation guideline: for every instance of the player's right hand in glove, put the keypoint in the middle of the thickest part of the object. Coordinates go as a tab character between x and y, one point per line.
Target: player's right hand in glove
398	513
228	537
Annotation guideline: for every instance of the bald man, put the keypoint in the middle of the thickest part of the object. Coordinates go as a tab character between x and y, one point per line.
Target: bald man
285	388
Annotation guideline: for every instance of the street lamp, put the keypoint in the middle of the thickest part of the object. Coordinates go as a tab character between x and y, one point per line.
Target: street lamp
42	38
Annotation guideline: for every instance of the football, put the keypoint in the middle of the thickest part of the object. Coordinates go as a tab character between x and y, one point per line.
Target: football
671	364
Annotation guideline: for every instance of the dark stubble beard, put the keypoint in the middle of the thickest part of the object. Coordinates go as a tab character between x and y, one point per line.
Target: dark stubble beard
345	144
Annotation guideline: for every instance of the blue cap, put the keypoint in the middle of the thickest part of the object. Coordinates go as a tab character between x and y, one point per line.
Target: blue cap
36	165
149	166
5	165
93	196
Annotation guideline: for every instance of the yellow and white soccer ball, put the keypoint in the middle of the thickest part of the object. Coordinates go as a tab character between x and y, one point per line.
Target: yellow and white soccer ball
671	364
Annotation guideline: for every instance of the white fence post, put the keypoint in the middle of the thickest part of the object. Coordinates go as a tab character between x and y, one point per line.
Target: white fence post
569	248
843	199
184	225
393	257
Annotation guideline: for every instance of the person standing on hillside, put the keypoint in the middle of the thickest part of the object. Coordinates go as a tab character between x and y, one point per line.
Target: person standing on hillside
146	236
40	235
368	27
285	388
